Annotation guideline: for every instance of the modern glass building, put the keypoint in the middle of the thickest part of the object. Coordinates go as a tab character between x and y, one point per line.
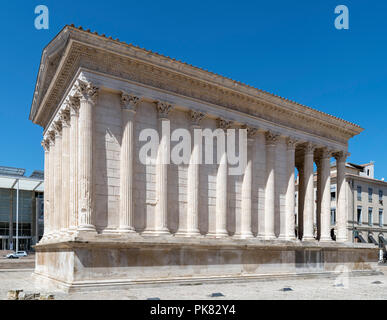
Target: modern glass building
21	208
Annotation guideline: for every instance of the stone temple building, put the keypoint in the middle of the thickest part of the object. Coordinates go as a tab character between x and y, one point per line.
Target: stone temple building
112	220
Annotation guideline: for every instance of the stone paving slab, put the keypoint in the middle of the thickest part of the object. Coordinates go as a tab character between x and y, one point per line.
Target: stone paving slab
341	287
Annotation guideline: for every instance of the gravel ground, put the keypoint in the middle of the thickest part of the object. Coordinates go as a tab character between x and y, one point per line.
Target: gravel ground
359	287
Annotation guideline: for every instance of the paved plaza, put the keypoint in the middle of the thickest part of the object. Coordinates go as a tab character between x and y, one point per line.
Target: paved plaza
359	287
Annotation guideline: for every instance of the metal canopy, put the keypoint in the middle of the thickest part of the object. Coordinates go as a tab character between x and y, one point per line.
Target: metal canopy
25	183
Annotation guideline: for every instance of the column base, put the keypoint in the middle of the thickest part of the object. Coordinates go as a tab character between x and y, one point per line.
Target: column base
156	233
126	230
341	239
287	238
266	237
187	233
308	238
326	239
87	227
247	235
218	234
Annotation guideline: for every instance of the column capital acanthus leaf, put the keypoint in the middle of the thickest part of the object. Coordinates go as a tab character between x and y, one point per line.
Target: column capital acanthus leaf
86	90
291	143
271	137
196	117
224	124
163	109
129	102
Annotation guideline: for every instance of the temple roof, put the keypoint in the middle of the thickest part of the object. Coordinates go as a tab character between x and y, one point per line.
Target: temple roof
56	49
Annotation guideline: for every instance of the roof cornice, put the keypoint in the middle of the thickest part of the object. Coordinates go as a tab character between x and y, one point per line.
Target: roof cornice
198	75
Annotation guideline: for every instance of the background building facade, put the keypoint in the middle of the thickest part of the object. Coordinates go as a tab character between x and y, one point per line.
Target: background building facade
21	208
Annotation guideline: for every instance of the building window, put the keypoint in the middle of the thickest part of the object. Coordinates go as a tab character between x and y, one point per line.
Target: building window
380	217
359	215
381	197
370	194
359	193
333	195
333	216
4	229
370	216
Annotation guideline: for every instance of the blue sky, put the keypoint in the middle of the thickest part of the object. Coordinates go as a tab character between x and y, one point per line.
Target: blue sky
290	48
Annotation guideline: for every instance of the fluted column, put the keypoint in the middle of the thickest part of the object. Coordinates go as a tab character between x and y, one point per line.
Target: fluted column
287	229
129	105
47	212
65	118
301	193
309	193
51	185
74	117
58	177
341	207
325	196
243	228
269	213
88	95
160	224
219	228
189	226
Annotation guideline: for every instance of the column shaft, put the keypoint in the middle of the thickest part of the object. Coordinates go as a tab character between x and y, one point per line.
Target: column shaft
65	170
309	194
86	196
341	206
325	197
269	216
47	212
129	104
243	228
160	224
73	221
189	226
288	221
58	181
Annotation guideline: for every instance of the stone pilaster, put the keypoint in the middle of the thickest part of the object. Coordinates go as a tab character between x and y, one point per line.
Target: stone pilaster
287	222
269	218
160	224
47	211
65	119
51	184
309	193
301	196
243	228
189	225
341	194
325	196
74	103
220	226
129	105
88	96
58	178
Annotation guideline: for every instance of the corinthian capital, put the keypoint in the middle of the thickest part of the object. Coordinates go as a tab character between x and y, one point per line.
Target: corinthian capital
341	155
73	103
291	143
326	153
251	131
224	124
129	102
45	144
196	117
57	127
65	117
271	137
86	90
309	148
163	109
